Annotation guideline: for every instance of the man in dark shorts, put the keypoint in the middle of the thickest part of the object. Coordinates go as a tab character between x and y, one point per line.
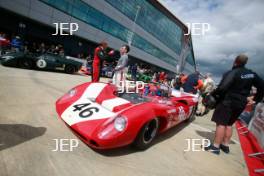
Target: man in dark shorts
233	91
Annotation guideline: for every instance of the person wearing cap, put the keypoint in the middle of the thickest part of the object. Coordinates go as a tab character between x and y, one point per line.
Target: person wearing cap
99	56
233	90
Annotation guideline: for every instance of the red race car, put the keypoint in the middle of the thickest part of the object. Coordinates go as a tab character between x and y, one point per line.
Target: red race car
104	119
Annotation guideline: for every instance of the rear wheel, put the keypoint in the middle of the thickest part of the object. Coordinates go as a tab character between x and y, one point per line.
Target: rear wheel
70	69
147	134
25	63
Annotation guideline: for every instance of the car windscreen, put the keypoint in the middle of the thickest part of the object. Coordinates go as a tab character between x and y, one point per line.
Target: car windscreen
134	98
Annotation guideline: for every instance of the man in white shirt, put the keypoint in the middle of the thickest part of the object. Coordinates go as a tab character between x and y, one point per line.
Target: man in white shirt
120	70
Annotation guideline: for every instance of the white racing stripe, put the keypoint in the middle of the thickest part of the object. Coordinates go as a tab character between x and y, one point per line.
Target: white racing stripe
93	90
110	104
177	93
72	116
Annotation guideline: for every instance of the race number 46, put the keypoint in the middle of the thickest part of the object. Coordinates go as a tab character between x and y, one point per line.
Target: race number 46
86	110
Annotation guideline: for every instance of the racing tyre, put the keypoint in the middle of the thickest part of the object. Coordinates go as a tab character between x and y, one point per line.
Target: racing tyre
147	134
25	63
70	69
192	114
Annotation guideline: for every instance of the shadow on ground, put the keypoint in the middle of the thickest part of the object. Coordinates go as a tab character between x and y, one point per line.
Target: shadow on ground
14	134
209	135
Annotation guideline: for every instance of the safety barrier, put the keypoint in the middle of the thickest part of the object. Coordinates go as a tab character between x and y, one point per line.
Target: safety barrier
252	141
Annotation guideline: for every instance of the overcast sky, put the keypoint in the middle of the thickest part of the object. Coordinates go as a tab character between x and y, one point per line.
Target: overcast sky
237	26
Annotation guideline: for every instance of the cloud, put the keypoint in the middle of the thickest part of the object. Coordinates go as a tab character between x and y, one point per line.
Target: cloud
236	27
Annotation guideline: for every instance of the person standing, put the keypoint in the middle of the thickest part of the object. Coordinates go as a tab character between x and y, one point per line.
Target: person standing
162	76
154	77
99	56
209	84
191	82
233	90
4	43
157	77
199	86
16	44
208	87
178	82
121	67
134	72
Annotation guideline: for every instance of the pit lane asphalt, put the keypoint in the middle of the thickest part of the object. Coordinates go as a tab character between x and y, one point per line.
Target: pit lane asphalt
29	123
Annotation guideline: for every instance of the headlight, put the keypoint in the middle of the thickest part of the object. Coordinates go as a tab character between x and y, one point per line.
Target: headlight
72	92
120	123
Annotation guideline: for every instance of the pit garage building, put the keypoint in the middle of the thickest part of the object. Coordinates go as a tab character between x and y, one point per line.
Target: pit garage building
156	36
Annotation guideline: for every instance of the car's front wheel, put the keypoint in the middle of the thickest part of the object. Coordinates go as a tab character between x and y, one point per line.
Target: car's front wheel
192	115
147	134
70	69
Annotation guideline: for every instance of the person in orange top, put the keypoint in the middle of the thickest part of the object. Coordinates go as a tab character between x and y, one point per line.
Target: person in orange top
199	85
201	109
99	56
183	78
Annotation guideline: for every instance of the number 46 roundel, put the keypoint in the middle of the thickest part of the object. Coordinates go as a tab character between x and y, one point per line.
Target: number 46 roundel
85	109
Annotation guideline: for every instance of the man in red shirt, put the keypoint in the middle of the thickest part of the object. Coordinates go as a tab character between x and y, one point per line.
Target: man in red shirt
99	55
4	42
162	76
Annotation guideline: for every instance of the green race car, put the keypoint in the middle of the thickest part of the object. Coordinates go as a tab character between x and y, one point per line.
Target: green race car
47	61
